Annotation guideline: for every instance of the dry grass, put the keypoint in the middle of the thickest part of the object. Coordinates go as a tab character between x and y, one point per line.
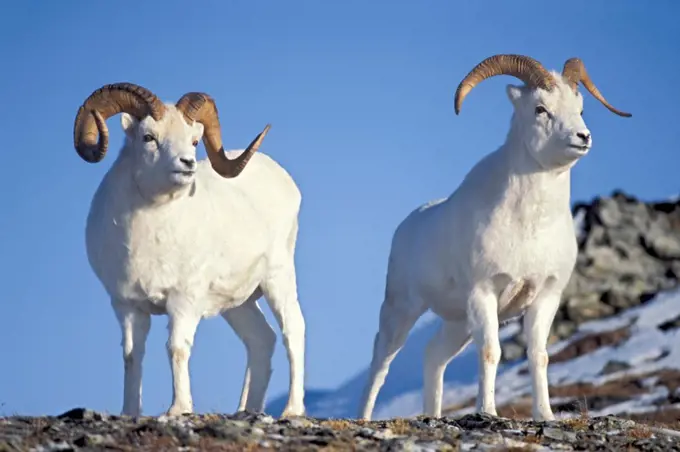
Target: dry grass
533	439
577	423
640	432
340	424
211	444
400	426
581	421
518	449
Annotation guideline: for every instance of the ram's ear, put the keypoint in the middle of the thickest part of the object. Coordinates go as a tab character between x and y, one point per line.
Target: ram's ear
129	124
514	93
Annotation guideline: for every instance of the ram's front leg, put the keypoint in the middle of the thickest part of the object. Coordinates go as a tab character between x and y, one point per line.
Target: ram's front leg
483	322
182	324
537	322
134	325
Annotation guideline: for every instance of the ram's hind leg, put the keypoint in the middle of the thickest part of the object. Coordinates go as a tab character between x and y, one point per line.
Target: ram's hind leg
396	320
251	326
450	339
280	291
135	326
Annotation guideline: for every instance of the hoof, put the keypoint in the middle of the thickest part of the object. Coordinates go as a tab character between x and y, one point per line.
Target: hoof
293	412
178	411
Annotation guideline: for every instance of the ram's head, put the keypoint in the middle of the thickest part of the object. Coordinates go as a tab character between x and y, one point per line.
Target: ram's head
164	136
548	109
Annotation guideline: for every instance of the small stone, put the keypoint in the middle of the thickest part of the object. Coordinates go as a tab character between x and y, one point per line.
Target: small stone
276	437
89	440
581	309
511	351
58	445
239	424
384	434
620	299
266	419
432	446
316	440
564	329
366	433
558	434
614	366
660	241
221	431
412	446
81	414
626	423
296	423
608	212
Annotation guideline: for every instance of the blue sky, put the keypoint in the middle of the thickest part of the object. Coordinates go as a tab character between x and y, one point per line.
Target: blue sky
360	97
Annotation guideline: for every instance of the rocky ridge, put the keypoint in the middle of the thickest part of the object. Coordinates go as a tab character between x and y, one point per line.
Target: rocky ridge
81	429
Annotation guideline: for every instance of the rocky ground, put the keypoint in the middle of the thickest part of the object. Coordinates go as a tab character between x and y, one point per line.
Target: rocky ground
85	430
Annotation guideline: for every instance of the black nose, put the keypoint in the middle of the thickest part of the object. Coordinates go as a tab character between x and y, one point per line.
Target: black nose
584	136
188	162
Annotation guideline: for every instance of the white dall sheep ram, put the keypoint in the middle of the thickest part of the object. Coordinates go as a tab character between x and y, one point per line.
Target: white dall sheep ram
169	235
501	245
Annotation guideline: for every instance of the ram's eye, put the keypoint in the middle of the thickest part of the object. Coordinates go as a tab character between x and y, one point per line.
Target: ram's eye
148	137
540	110
195	143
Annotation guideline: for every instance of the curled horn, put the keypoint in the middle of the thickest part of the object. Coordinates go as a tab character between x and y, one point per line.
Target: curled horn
574	72
200	107
523	67
90	134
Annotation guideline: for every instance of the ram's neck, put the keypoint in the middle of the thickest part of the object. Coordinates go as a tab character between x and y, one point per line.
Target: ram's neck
529	190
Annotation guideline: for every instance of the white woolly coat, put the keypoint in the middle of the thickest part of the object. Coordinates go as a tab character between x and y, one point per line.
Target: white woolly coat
509	222
212	245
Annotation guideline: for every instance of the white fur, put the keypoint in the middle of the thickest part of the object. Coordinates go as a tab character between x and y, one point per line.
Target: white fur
196	245
501	245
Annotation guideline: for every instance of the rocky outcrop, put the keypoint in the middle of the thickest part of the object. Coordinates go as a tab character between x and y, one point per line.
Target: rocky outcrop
628	251
81	429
